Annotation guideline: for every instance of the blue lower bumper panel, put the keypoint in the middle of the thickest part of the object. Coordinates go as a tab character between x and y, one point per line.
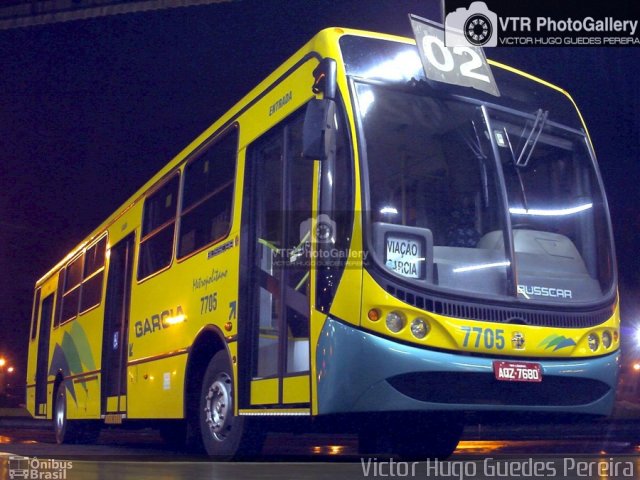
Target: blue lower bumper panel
362	372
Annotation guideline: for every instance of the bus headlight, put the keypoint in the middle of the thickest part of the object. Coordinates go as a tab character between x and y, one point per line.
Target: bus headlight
395	321
606	339
594	341
419	328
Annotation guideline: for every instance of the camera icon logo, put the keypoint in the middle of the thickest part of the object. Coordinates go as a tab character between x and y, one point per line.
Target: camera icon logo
323	232
472	27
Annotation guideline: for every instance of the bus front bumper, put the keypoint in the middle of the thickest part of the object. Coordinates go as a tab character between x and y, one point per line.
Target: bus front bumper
361	372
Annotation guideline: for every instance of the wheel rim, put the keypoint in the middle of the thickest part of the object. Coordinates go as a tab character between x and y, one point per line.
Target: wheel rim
218	408
59	414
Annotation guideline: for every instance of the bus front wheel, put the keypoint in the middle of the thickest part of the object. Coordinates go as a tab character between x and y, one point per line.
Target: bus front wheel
225	436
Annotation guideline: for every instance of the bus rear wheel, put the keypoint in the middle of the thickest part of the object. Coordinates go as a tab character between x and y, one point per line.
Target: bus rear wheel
225	436
65	431
60	421
71	431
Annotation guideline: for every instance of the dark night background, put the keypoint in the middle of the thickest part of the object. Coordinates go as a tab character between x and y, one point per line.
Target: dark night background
90	109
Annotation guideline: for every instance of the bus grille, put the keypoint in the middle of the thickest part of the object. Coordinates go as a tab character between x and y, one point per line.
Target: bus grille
539	318
483	389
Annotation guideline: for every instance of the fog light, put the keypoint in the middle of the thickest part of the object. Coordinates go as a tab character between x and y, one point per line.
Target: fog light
395	321
594	342
419	328
606	339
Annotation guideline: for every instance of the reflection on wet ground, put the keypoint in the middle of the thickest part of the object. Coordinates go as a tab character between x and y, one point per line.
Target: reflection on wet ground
116	443
520	447
141	454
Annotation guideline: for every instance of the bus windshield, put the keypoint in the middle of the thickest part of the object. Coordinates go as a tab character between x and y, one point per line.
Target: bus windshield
482	200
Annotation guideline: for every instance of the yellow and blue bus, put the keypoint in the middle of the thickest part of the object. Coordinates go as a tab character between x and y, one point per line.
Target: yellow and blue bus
354	244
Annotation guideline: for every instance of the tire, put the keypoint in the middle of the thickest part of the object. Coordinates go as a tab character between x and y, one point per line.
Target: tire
62	429
71	431
224	435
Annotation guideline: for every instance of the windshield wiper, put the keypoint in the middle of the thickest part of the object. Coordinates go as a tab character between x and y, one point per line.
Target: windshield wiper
529	146
532	139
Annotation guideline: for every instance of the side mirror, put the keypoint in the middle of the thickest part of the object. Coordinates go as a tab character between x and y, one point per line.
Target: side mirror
319	131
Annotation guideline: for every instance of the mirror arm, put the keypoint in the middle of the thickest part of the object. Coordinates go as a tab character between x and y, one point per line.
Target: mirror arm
325	75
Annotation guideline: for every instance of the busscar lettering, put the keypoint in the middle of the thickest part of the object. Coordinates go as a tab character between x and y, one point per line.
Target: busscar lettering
527	290
156	322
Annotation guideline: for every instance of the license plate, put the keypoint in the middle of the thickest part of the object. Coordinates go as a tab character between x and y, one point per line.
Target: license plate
517	371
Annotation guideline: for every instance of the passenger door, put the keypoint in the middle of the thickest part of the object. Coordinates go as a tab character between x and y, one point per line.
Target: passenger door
276	269
42	362
116	326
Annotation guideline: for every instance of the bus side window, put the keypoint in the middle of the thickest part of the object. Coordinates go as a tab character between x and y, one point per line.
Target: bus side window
71	291
208	195
93	275
158	226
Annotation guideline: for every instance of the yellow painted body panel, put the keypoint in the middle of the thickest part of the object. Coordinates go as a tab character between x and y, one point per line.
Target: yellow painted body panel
87	402
155	389
87	393
30	400
296	389
316	318
264	391
112	404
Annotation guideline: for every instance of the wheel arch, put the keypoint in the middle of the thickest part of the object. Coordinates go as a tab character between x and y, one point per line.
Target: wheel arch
209	341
